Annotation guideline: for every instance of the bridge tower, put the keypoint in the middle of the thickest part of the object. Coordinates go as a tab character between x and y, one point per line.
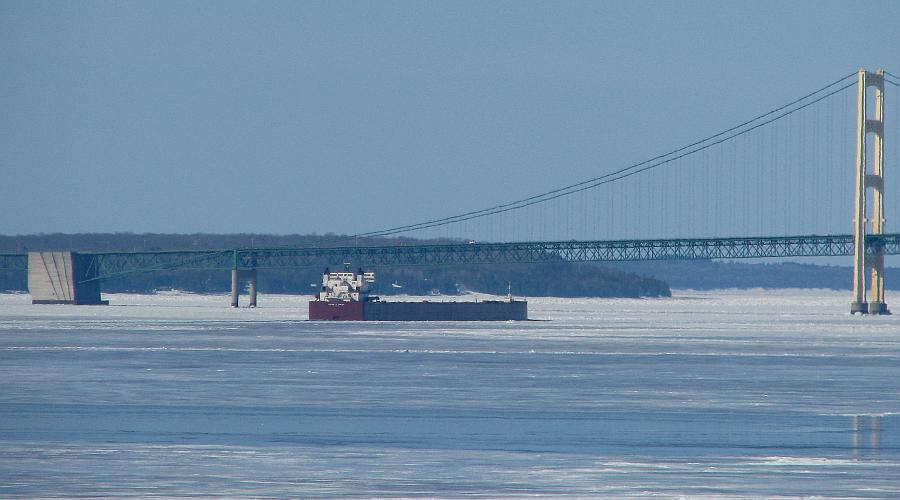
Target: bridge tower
869	258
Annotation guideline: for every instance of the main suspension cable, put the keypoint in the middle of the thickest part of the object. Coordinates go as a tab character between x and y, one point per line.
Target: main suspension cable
623	172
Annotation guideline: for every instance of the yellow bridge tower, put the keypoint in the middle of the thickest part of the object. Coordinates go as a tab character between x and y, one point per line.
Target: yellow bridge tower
869	258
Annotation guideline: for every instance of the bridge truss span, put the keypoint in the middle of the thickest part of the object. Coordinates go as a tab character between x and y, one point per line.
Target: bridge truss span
568	251
110	265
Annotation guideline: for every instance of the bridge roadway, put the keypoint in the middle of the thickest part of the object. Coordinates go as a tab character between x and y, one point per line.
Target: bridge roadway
109	265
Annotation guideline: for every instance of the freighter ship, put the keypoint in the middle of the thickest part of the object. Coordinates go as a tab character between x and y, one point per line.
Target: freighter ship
345	297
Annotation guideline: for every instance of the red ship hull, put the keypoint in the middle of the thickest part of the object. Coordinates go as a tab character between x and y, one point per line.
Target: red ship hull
491	310
336	310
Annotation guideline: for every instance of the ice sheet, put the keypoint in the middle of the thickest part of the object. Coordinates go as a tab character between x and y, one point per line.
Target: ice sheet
736	393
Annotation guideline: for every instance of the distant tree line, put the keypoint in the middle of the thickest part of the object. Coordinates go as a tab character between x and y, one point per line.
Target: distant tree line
710	275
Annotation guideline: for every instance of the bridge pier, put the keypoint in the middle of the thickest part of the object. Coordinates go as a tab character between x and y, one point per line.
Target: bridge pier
252	287
878	308
235	291
63	278
237	275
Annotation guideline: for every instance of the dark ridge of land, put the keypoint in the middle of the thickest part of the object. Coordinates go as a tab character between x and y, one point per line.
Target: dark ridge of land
711	275
558	279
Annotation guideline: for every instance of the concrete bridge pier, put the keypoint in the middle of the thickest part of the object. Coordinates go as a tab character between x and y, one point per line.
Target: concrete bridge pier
63	278
252	287
235	291
237	276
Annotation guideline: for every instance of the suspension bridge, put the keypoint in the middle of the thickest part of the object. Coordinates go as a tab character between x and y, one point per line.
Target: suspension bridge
804	179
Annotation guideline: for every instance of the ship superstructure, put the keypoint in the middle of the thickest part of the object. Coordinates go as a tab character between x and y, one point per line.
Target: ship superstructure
346	286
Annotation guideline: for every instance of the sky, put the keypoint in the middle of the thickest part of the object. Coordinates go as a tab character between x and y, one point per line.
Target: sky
301	117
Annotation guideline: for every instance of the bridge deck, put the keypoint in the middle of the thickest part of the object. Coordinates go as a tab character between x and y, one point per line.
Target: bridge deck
112	264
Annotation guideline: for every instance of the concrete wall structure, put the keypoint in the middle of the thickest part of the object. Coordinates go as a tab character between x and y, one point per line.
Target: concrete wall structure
59	278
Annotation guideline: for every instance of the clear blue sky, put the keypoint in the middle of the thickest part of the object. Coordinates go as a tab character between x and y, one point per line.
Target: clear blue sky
294	117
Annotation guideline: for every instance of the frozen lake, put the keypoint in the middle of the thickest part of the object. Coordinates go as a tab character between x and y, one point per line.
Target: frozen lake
726	393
